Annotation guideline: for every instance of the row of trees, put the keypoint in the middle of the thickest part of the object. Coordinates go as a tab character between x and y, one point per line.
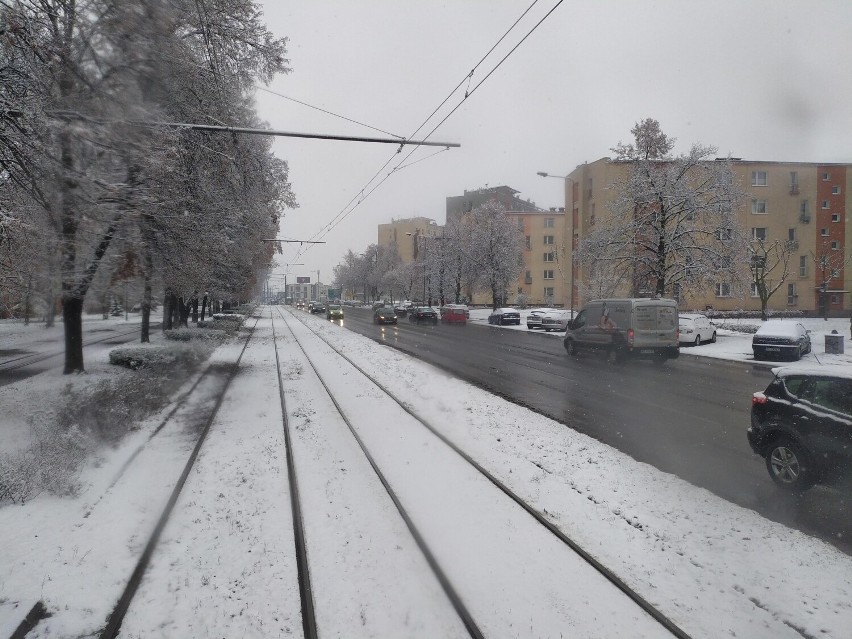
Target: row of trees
93	191
480	251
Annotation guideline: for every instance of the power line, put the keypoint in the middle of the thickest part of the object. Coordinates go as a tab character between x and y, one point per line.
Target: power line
343	212
323	232
337	115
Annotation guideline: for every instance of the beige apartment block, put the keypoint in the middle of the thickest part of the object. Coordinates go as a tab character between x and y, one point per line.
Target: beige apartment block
807	204
545	275
405	233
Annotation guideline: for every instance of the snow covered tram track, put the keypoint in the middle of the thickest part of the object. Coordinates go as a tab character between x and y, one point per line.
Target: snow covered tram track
119	611
652	616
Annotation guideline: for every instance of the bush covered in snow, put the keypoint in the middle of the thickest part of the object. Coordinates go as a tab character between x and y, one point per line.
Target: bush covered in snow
200	333
52	462
161	355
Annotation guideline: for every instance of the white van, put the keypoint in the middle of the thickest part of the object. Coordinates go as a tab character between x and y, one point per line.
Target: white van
626	327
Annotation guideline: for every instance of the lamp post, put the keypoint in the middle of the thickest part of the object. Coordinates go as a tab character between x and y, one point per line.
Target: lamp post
544	174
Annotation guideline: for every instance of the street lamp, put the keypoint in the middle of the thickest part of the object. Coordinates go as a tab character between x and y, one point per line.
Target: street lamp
545	174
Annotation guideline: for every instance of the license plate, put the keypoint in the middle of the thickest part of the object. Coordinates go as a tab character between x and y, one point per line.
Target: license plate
773	349
647	351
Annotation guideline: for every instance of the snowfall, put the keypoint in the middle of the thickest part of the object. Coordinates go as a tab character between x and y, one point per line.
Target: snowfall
225	565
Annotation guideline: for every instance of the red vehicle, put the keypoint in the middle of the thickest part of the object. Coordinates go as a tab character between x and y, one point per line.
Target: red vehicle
454	314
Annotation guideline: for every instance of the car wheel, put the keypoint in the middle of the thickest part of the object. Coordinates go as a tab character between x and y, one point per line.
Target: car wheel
697	340
713	338
571	347
788	465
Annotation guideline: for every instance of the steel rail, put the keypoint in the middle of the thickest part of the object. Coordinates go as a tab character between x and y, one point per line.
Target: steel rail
608	574
116	617
309	621
455	599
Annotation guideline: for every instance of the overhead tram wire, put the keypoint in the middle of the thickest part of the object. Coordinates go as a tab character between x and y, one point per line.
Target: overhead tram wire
343	212
333	224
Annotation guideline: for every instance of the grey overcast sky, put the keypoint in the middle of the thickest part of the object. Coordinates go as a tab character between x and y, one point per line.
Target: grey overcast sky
759	79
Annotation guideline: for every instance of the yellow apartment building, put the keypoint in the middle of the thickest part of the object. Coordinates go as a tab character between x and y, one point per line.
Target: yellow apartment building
806	204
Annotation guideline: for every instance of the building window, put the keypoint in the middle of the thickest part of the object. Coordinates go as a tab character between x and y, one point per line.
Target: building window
520	224
835	299
825	204
758	178
723	289
758	233
803	266
754	291
590	187
548	274
548	240
823	232
835	245
794	182
791	235
723	234
835	190
826	177
549	257
792	297
529	242
835	217
548	222
758	207
548	291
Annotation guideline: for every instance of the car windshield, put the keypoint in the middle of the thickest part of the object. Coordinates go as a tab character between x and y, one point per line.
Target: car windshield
563	246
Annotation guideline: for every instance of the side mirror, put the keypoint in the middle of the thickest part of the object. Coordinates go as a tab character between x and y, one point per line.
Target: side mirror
570	324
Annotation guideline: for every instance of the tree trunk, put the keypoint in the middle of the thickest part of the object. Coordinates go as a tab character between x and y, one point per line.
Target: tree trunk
145	335
72	317
183	310
204	303
167	311
195	310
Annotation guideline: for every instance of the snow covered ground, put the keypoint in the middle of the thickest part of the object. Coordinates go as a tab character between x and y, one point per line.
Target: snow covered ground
225	565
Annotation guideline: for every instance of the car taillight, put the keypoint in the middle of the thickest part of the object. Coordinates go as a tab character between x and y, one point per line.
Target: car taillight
630	337
759	398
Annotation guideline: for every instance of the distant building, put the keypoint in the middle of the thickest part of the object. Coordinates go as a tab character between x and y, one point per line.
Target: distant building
404	233
458	205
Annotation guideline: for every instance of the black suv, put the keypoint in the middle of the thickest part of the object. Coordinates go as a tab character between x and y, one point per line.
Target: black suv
802	425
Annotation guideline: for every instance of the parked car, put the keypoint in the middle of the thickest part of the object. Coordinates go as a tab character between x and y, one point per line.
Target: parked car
556	320
454	314
334	312
696	328
505	316
384	315
781	339
400	310
317	308
626	327
802	425
420	314
534	317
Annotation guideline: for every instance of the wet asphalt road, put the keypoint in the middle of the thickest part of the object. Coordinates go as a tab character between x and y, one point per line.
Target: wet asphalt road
687	416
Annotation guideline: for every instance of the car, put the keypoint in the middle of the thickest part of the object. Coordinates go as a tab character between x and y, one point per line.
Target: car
505	316
384	315
802	425
781	339
555	320
626	327
300	305
400	310
334	312
534	317
695	328
454	314
420	314
317	308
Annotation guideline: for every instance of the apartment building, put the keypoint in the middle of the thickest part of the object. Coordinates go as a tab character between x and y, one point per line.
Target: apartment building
406	234
805	204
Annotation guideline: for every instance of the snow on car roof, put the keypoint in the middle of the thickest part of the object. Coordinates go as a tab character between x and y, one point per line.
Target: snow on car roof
779	328
813	371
